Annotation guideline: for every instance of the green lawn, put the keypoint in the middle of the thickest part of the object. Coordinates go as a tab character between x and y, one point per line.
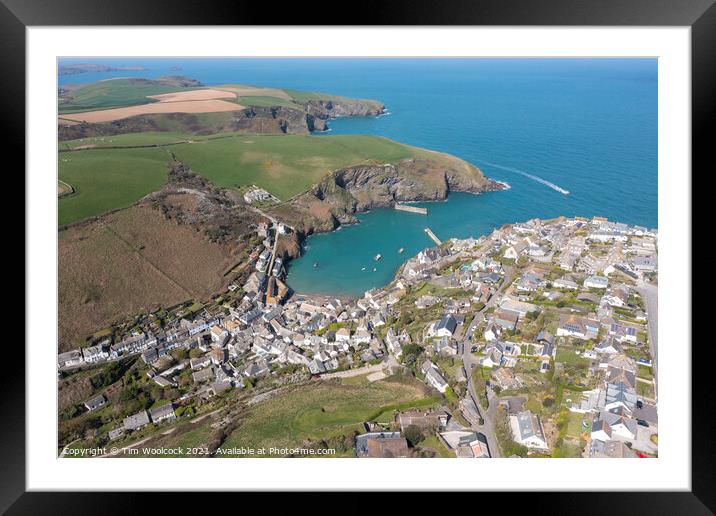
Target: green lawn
568	356
434	443
645	389
645	372
108	179
318	411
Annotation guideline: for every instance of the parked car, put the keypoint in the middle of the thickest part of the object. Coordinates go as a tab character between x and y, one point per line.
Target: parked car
639	404
473	349
642	423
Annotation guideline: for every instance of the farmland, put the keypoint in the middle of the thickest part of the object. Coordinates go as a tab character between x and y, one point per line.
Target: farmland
319	411
190	101
108	179
284	165
114	93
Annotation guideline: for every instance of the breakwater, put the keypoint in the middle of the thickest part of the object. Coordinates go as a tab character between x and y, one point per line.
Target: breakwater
411	209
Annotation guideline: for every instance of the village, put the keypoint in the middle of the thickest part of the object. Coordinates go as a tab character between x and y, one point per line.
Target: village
538	340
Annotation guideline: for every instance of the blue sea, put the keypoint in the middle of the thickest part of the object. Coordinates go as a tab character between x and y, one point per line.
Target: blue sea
570	136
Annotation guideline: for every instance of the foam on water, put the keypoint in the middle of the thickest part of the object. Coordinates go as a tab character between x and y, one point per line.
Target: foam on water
530	176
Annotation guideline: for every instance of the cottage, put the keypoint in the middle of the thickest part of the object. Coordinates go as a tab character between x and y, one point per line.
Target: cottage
95	403
381	445
578	327
136	421
343	335
203	375
610	450
96	353
595	281
200	362
430	419
163	413
505	320
116	433
527	431
505	378
545	337
445	327
565	283
70	358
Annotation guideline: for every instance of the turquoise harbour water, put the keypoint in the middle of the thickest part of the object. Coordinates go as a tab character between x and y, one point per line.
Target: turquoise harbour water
545	126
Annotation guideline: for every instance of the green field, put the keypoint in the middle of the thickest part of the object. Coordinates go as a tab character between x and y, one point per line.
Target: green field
267	101
132	140
114	93
108	179
319	411
285	165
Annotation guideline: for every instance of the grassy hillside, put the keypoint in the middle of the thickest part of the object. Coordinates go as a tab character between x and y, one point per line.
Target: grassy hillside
108	179
114	93
322	410
286	165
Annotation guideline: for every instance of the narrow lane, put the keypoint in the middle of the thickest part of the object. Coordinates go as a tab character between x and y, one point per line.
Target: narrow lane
649	293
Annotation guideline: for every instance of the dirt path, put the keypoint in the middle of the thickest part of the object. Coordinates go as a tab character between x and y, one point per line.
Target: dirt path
378	368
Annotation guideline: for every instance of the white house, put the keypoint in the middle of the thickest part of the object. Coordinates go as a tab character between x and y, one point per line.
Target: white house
527	431
596	281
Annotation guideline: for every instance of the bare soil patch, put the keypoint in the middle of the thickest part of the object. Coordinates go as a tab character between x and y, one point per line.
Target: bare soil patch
190	106
185	96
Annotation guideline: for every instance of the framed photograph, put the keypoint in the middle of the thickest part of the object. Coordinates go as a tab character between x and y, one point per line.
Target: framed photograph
342	258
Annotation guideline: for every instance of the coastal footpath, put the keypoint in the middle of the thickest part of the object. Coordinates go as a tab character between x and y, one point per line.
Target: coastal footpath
532	342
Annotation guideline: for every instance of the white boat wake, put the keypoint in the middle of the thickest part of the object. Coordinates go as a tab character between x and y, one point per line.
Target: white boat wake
530	176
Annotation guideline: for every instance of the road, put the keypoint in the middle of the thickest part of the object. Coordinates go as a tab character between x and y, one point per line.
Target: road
480	316
649	294
470	361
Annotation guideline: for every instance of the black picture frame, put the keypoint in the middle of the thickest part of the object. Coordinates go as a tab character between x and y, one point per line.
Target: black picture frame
700	15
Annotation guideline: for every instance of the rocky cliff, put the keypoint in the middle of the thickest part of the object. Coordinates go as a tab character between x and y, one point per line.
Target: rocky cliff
339	107
345	192
303	119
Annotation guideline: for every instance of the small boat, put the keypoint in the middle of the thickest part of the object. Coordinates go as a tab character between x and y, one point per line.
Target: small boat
378	257
363	269
401	250
315	265
374	269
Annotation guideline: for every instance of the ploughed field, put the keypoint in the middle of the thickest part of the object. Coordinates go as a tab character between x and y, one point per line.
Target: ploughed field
192	101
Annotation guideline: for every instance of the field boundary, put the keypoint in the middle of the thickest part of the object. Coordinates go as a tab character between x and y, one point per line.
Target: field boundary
147	260
70	189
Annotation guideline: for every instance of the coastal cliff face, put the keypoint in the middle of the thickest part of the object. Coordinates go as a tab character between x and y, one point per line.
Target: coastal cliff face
345	192
254	120
334	108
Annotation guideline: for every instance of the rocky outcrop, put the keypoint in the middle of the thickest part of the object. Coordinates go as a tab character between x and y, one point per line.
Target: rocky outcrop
254	120
325	109
345	192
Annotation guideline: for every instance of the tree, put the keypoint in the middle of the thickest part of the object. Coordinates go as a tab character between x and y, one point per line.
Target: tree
413	434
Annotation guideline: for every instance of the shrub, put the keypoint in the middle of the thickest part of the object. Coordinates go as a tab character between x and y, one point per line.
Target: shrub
413	434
